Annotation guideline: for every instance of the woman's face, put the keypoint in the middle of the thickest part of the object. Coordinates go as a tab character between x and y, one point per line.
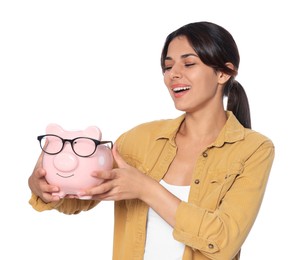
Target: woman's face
192	85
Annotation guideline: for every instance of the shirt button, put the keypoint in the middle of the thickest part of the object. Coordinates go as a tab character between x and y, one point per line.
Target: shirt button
210	246
204	154
196	181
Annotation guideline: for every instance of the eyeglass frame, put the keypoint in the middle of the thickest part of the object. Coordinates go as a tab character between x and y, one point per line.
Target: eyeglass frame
97	142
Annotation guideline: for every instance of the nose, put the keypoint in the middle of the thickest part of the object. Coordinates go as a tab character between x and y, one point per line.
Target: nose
65	162
175	73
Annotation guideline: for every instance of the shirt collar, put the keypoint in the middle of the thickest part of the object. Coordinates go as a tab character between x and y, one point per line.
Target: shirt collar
232	131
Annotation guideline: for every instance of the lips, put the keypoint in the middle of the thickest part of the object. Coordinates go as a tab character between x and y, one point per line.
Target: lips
180	89
65	176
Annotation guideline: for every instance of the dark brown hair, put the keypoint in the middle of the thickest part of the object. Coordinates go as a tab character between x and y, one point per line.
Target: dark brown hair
215	46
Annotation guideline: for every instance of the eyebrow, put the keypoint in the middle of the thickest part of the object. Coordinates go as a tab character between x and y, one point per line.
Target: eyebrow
184	56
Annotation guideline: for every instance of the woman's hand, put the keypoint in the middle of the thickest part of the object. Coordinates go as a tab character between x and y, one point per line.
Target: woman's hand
39	185
127	182
124	182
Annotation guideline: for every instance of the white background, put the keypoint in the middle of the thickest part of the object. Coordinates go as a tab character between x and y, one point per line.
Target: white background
81	63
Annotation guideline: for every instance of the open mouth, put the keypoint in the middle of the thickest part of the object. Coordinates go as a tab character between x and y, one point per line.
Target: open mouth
64	176
180	89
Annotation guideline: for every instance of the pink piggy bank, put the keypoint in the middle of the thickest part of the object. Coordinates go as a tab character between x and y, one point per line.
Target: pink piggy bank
71	156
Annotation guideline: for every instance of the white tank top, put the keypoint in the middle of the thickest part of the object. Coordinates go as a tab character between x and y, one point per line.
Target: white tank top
160	243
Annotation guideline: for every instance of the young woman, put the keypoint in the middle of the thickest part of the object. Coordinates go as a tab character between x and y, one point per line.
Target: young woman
190	187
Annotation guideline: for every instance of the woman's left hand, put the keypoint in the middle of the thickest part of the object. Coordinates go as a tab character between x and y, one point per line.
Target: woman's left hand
123	182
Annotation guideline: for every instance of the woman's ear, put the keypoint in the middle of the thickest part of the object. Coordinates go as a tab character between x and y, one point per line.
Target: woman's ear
223	77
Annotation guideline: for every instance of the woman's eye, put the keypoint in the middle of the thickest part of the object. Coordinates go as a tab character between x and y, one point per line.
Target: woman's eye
189	64
167	68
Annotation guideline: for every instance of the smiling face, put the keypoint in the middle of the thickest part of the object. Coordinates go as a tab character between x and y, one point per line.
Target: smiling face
192	84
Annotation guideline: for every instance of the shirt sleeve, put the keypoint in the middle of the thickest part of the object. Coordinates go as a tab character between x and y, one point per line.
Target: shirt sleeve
220	233
66	206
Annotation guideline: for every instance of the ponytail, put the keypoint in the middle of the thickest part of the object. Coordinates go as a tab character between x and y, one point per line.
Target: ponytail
237	102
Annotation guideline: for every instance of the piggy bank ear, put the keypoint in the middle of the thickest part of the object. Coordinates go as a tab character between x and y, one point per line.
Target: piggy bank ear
93	132
54	129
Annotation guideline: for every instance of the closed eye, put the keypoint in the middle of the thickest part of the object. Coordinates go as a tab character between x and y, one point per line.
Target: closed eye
189	64
167	68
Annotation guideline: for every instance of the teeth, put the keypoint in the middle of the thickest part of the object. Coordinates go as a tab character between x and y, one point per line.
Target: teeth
181	89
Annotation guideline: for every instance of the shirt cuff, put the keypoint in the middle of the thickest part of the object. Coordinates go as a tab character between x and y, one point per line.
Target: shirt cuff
39	205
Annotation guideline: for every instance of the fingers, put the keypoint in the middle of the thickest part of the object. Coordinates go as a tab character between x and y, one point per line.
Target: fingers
47	197
119	160
107	178
39	185
117	183
40	173
98	192
105	175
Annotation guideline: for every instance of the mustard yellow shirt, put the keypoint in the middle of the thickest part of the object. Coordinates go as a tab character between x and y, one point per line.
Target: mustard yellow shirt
226	192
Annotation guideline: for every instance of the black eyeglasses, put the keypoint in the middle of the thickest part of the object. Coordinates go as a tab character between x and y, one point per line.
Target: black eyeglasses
81	146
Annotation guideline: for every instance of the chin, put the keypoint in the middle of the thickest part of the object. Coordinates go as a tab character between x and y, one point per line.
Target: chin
181	108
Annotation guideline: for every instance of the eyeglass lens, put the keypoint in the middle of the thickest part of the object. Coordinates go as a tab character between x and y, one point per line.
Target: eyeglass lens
82	146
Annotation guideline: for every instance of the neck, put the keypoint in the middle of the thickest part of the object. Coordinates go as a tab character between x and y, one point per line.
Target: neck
204	126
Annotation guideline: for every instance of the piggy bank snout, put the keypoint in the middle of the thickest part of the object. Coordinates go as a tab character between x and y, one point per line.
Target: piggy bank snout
65	162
